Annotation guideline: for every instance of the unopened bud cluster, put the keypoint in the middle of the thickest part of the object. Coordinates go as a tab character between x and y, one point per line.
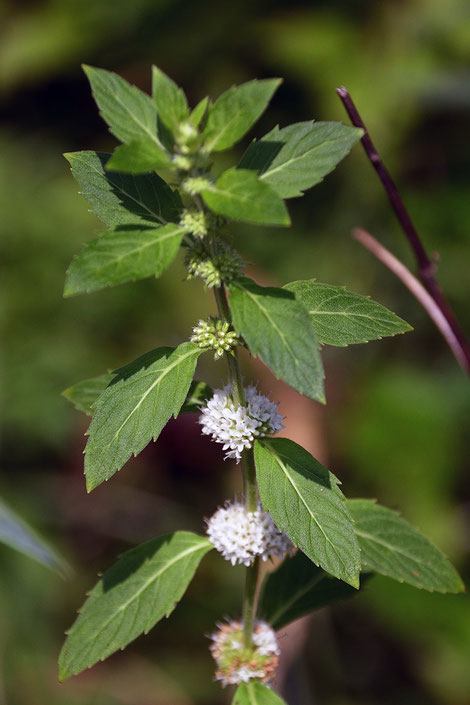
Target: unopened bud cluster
223	265
238	664
195	184
196	222
215	335
241	536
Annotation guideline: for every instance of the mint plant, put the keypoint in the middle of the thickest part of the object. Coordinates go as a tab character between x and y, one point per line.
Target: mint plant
292	507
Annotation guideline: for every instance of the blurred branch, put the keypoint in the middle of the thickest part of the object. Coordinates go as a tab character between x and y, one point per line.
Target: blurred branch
417	289
426	267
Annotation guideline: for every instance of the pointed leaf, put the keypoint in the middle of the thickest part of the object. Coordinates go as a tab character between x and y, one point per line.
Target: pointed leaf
138	157
144	586
392	547
198	394
199	112
170	100
130	113
122	255
297	157
305	501
15	533
84	394
341	317
240	195
277	328
123	199
236	111
135	407
256	693
298	587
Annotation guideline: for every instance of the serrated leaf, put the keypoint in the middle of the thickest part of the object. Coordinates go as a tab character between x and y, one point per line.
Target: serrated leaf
199	112
84	394
170	100
144	586
342	318
198	394
240	195
236	111
122	255
130	113
392	547
298	587
305	501
277	328
297	157
123	199
135	407
255	693
138	157
17	534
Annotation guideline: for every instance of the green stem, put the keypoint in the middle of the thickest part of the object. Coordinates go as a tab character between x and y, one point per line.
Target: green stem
249	602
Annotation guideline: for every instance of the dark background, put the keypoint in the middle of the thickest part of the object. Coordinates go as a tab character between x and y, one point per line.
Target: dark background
397	418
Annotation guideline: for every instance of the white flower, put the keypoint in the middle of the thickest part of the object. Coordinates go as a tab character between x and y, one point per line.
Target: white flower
238	665
238	426
240	536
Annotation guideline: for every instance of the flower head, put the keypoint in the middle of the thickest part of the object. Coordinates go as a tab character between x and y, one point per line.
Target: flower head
216	335
240	536
237	426
238	664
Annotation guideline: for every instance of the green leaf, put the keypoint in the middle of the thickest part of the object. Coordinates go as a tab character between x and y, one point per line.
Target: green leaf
199	111
305	501
144	586
277	328
240	195
138	157
15	533
236	111
123	199
255	693
297	157
84	394
198	394
135	407
341	317
130	113
297	588
170	100
122	255
392	547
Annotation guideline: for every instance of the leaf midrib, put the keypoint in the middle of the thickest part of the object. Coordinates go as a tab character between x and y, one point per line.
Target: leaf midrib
155	241
298	157
296	596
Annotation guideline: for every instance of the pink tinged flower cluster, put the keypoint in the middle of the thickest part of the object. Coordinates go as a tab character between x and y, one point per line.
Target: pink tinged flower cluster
241	536
236	426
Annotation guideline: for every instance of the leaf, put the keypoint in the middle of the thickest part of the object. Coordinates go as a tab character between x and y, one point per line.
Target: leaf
198	394
84	394
144	586
130	113
138	157
297	157
277	328
199	112
297	588
305	501
15	533
255	693
341	317
135	407
236	111
240	195
392	547
123	199
170	100
122	255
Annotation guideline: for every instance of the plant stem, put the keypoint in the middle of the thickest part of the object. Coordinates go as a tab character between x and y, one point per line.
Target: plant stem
249	602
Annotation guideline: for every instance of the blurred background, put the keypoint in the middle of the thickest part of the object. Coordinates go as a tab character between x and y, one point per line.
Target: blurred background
396	426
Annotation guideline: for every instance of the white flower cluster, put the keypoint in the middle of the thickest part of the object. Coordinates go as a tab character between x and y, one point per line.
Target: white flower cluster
235	665
240	536
238	426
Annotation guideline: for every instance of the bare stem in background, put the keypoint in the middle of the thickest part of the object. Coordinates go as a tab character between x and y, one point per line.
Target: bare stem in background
417	289
426	267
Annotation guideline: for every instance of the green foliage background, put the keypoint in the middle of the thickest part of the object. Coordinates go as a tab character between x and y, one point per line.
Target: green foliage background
398	410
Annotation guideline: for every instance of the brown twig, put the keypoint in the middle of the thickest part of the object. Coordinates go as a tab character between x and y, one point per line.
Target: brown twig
426	267
416	288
